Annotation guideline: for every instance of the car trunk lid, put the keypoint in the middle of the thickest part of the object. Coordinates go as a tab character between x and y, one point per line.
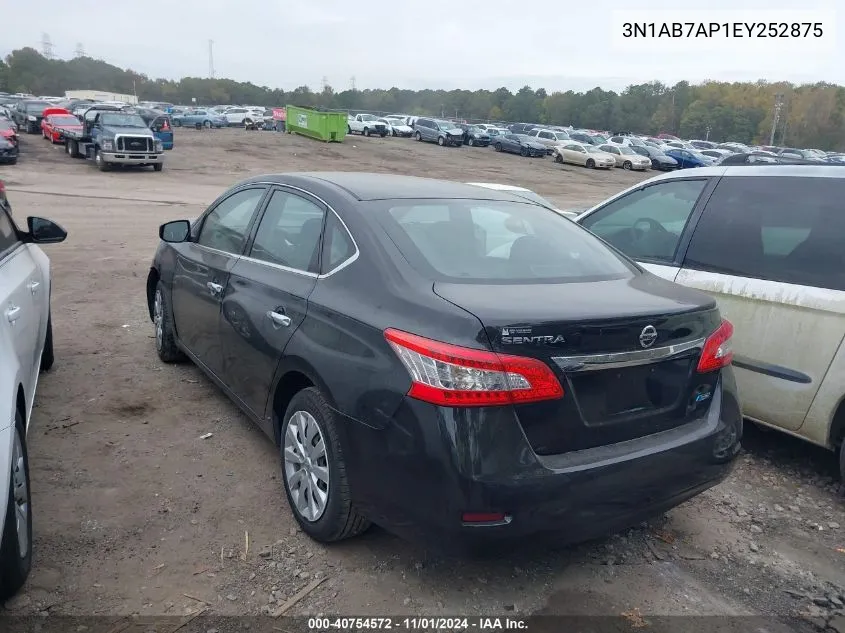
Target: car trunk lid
625	352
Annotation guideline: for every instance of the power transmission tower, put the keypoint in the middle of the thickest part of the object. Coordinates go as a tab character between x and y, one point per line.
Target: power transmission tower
352	83
210	59
80	50
324	83
46	46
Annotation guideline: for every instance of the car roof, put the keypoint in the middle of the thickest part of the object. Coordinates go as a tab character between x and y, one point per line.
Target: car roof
370	186
497	186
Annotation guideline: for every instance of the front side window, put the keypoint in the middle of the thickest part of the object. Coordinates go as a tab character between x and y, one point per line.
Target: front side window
226	227
786	229
473	241
8	235
648	223
289	232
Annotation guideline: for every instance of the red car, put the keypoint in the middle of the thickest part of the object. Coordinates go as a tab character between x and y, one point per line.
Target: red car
57	119
9	131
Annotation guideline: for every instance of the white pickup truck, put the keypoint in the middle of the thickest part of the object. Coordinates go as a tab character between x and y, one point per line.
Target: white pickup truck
366	124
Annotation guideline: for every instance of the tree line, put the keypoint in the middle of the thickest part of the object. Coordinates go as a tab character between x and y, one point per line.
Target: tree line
809	115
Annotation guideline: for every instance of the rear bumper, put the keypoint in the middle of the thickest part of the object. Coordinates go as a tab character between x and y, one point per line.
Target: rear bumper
419	474
132	158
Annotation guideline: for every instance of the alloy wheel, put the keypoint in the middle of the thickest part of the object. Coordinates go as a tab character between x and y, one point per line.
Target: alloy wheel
306	466
21	495
158	319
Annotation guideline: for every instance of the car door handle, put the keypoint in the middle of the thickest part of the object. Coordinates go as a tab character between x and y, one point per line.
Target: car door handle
33	286
214	289
278	318
13	313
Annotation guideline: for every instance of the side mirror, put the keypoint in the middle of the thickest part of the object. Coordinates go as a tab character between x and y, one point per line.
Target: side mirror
175	232
43	231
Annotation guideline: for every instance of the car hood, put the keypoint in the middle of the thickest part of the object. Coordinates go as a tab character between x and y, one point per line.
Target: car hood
125	129
480	134
454	130
533	144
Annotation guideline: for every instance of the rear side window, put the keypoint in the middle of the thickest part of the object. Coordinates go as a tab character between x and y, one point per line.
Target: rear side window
476	241
289	232
786	229
338	245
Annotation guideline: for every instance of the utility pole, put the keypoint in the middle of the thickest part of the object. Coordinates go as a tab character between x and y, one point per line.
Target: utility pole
776	117
80	50
46	46
707	136
211	59
352	83
324	83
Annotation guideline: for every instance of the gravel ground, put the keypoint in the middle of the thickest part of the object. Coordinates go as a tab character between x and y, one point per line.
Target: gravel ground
135	514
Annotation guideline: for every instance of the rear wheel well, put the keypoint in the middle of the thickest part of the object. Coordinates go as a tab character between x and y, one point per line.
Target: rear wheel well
291	383
152	283
20	403
837	426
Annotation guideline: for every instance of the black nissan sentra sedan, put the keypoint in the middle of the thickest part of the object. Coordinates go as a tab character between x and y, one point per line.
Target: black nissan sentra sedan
452	363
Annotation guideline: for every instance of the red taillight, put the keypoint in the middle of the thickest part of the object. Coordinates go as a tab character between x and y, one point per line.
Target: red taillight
717	351
455	376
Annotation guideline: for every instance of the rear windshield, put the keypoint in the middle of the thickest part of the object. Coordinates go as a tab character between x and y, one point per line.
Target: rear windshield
481	241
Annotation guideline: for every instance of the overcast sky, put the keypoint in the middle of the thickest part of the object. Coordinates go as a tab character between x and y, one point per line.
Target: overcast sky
555	44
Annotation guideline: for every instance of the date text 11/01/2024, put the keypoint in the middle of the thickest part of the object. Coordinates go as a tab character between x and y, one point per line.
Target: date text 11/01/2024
735	30
417	624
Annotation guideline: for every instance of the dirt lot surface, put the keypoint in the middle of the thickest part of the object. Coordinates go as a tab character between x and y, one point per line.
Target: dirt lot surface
135	513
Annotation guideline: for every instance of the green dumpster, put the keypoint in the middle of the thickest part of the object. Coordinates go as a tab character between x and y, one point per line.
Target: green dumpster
323	126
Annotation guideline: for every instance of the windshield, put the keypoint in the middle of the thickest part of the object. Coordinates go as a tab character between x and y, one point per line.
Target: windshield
562	136
599	138
446	125
122	120
368	117
626	150
64	119
36	106
475	241
592	149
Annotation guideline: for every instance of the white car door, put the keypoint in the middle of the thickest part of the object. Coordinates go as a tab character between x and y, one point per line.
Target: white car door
20	312
770	249
648	223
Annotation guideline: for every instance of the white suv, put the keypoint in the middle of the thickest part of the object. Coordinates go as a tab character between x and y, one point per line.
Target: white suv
767	242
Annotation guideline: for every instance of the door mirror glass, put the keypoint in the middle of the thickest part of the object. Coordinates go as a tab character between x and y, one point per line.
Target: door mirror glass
43	231
175	232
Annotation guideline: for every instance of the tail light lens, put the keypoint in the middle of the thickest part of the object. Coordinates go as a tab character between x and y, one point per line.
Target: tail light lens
717	351
455	376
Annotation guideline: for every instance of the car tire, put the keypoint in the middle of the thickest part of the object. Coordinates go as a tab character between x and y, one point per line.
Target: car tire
497	147
158	166
14	564
177	123
842	467
349	129
591	164
366	131
165	333
441	141
383	134
338	518
47	355
206	125
418	136
523	151
559	159
471	142
98	160
72	148
627	165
